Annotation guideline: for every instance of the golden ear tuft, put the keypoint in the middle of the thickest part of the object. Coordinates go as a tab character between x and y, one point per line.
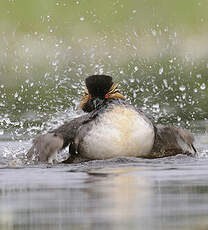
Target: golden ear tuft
114	92
85	98
117	96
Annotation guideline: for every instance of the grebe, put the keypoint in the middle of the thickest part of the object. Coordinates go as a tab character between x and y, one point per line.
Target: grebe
110	128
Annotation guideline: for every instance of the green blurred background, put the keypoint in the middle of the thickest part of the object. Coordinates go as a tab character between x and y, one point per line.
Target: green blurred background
156	49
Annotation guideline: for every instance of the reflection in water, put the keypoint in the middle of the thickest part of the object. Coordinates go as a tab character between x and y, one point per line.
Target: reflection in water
154	196
31	200
126	193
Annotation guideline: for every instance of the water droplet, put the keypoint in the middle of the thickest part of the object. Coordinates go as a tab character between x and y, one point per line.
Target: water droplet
156	106
136	68
198	76
82	19
203	86
154	32
182	88
166	29
165	83
134	11
74	86
16	95
178	118
101	71
161	70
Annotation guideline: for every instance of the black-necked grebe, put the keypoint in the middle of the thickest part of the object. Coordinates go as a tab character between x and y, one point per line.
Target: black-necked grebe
111	128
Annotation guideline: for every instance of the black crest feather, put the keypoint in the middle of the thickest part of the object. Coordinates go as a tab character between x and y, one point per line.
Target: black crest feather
98	85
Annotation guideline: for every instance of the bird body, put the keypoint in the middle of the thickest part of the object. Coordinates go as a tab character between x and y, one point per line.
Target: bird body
110	128
118	131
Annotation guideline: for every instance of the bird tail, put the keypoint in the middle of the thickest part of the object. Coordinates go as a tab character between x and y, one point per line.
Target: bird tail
170	140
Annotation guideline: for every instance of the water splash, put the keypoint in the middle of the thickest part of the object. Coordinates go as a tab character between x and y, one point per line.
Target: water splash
160	70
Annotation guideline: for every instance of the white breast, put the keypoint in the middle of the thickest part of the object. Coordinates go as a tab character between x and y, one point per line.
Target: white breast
118	133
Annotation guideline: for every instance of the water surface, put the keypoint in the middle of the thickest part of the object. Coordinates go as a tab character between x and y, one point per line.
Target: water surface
124	193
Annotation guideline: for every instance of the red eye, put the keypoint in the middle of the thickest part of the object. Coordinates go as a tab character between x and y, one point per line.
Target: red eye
106	96
90	97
